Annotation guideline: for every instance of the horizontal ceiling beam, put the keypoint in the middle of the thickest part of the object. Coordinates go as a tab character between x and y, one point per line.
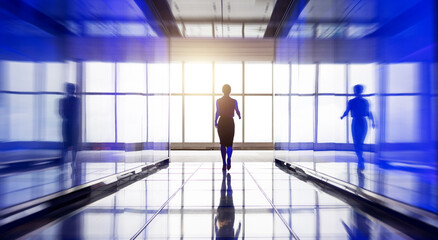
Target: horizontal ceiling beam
162	15
285	12
31	15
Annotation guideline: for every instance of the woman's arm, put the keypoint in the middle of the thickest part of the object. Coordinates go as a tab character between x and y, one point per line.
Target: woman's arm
237	109
371	117
217	115
61	107
346	111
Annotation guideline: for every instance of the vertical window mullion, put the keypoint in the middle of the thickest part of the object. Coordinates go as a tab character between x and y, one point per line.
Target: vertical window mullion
213	113
183	103
347	73
115	102
316	103
243	104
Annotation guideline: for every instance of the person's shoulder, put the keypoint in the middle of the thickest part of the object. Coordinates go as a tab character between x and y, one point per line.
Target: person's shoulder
363	100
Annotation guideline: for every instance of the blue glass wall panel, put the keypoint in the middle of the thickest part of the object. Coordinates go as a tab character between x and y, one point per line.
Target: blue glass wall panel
116	57
390	49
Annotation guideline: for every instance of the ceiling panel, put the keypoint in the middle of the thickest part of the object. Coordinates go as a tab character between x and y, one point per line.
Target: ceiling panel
226	18
83	18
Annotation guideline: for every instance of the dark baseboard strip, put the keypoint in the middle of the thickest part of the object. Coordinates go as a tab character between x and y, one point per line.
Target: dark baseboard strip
19	220
411	221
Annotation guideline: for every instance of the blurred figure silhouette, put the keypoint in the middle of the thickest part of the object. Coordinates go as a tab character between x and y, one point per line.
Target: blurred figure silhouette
224	221
69	110
360	109
225	107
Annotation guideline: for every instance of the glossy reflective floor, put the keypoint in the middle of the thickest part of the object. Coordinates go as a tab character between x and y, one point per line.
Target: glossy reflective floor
35	174
197	200
406	182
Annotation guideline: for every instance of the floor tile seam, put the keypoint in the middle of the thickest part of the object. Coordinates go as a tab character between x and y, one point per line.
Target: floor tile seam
165	204
272	205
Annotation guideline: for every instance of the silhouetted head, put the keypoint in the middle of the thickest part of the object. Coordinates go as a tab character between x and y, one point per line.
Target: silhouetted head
358	90
70	88
226	89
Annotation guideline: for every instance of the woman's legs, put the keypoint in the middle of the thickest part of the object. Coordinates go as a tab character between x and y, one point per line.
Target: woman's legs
229	153
359	131
224	154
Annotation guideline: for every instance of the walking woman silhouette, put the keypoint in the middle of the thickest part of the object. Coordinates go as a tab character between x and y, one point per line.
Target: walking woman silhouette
360	109
225	107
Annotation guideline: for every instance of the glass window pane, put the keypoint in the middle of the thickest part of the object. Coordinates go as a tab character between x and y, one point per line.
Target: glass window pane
331	129
71	75
237	121
100	119
258	119
131	119
332	78
198	77
281	118
131	77
281	78
228	73
158	127
303	78
402	78
21	117
364	74
401	119
176	78
198	123
52	119
158	78
20	76
176	118
302	119
99	77
258	77
56	74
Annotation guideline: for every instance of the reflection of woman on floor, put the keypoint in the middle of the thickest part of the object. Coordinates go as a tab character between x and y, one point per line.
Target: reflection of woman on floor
360	109
225	107
224	221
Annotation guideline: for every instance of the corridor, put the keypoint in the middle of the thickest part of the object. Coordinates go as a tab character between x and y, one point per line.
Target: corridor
183	201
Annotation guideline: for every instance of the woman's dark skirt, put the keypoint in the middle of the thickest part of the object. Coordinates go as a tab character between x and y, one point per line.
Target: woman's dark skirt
225	129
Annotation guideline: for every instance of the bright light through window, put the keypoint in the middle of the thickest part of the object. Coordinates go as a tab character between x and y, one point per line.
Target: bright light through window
303	78
258	119
176	118
158	78
198	122
131	77
176	78
331	129
158	126
228	73
131	119
258	77
281	118
100	123
281	78
332	78
99	77
198	77
302	119
364	74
